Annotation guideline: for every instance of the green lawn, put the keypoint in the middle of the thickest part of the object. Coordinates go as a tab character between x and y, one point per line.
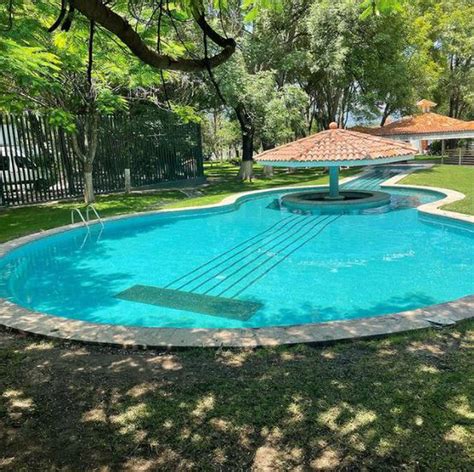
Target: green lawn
15	222
403	403
460	178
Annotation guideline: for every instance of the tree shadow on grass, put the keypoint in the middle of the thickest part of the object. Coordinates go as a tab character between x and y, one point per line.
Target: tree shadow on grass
402	402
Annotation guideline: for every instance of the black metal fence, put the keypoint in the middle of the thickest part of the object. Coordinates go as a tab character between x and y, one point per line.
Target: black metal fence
37	162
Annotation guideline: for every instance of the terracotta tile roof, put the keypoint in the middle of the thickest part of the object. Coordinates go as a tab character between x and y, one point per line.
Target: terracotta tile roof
364	129
337	145
424	124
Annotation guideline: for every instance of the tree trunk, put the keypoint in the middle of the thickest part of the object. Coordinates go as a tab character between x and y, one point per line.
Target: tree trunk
89	196
67	162
385	115
84	143
246	170
268	171
246	167
310	122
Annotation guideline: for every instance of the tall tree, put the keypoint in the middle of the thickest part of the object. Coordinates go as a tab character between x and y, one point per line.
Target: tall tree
392	66
448	27
57	75
347	59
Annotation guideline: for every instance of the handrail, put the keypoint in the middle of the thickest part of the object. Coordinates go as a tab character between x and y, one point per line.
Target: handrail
76	210
87	219
92	207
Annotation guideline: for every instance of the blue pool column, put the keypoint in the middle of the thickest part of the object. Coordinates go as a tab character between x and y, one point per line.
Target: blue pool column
334	182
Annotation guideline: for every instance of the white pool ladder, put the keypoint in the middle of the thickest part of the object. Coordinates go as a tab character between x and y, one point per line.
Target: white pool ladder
86	220
97	216
78	211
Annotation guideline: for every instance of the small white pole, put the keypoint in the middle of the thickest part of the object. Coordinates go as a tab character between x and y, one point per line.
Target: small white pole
128	184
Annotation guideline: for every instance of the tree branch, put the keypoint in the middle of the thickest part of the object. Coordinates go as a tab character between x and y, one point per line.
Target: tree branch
10	17
60	18
90	54
98	12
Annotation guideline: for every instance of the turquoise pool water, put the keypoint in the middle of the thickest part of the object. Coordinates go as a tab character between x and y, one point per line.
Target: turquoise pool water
249	265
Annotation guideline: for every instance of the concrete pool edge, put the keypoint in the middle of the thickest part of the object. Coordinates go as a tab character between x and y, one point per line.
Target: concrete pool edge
24	320
433	208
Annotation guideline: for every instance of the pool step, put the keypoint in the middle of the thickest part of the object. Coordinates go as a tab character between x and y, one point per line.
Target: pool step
205	304
254	261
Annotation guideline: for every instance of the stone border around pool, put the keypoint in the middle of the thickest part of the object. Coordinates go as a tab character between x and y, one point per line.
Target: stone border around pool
24	320
434	207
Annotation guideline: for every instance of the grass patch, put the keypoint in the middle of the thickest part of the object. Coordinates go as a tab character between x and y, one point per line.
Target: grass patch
223	181
401	403
460	178
16	222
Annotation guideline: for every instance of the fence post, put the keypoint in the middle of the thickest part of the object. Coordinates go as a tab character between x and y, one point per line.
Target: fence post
2	196
460	156
128	182
199	157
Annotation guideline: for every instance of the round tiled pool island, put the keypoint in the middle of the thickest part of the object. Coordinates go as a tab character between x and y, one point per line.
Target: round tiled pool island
320	201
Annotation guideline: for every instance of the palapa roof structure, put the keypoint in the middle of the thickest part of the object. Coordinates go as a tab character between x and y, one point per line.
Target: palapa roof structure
337	147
